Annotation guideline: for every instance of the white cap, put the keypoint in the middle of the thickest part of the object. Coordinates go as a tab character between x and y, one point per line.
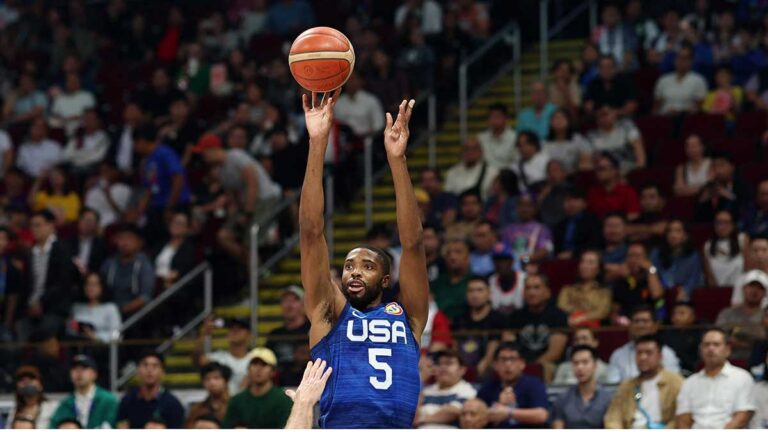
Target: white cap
757	276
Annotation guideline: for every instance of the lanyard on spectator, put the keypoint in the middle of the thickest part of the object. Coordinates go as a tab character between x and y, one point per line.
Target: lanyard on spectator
648	421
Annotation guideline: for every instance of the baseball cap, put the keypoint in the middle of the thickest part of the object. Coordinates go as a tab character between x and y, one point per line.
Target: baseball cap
84	361
239	322
207	141
264	354
28	371
757	276
422	197
295	290
502	250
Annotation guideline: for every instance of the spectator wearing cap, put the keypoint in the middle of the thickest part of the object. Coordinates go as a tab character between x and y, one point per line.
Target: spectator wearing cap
247	184
215	377
163	178
471	172
150	399
726	191
580	230
758	254
680	91
642	322
261	405
536	118
506	283
129	275
611	193
89	404
498	141
720	396
745	321
604	374
531	167
440	403
234	357
290	341
484	237
31	404
530	240
516	399
48	296
482	326
610	88
648	399
583	405
38	153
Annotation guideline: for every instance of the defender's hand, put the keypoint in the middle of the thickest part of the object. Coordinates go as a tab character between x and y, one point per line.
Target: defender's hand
396	132
319	116
312	384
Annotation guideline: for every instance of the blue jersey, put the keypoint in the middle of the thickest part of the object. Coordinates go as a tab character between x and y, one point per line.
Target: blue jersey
375	359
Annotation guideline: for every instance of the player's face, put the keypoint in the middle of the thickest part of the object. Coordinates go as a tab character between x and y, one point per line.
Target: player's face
363	278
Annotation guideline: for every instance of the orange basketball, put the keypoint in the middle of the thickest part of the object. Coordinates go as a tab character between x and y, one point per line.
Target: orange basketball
321	59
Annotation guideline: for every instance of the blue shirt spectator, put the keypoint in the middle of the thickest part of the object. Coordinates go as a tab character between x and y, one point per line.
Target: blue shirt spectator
677	261
158	173
290	16
163	408
536	118
576	413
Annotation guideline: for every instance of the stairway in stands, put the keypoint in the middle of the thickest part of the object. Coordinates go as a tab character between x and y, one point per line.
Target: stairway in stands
350	226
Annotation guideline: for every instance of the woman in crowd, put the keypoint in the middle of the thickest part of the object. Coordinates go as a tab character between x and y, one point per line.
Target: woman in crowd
677	261
564	90
696	171
564	144
95	320
177	256
31	403
587	302
724	252
56	196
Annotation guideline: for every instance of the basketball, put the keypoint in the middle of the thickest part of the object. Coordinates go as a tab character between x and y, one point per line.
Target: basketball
321	59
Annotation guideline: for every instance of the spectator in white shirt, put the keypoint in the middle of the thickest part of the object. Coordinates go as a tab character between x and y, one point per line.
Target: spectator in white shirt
38	153
531	169
472	171
441	402
234	357
604	374
680	91
108	197
498	141
68	107
89	146
720	396
427	11
95	320
359	109
26	102
642	322
6	153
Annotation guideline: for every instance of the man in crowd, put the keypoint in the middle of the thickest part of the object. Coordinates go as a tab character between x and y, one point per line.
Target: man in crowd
642	321
583	405
726	191
755	221
235	357
450	288
39	153
611	193
745	321
441	402
758	251
87	248
442	204
516	399
261	405
648	400
720	396
615	246
651	224
483	239
129	275
684	336
92	406
682	90
214	377
472	172
507	284
150	400
536	118
285	340
610	88
470	214
638	283
498	141
603	373
477	348
359	109
13	285
540	326
474	415
580	230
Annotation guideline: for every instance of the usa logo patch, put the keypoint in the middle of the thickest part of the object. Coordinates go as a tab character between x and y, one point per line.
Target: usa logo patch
393	309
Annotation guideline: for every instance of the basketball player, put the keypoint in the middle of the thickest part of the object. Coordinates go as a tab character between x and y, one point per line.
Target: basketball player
372	347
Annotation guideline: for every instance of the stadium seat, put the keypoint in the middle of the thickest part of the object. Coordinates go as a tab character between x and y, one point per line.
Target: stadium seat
655	129
584	179
742	148
710	127
560	272
710	301
645	80
610	339
699	233
751	124
754	173
534	369
683	208
661	176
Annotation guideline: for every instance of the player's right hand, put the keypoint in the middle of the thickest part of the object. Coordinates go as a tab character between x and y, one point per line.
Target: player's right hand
312	384
318	115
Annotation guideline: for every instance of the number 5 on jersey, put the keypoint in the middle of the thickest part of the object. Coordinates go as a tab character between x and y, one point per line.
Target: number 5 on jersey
373	355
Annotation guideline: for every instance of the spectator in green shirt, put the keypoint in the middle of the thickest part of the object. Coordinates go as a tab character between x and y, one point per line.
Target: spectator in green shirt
261	405
450	288
102	404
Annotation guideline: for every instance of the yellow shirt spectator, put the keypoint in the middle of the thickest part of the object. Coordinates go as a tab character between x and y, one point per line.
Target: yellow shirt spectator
65	207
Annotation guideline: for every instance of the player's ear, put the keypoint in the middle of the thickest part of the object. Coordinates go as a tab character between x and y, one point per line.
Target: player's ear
385	281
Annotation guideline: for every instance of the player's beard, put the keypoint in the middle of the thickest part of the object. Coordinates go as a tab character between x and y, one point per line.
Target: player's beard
369	295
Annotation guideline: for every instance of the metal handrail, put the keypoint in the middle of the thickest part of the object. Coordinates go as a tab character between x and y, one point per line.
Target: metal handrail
510	30
254	281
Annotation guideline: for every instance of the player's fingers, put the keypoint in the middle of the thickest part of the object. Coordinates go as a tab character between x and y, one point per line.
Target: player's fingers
401	111
326	375
389	122
409	111
291	394
336	94
314	99
307	370
313	372
305	102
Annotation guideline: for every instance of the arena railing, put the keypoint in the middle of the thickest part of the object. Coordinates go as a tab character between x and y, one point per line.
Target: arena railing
546	33
116	380
496	47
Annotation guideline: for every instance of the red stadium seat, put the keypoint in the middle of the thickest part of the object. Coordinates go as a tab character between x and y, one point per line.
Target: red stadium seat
655	129
610	340
645	80
751	124
699	233
742	148
754	173
710	301
560	272
683	208
669	152
534	369
709	127
584	179
661	176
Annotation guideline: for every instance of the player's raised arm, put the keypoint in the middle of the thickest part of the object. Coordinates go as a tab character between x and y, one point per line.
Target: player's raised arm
414	283
321	296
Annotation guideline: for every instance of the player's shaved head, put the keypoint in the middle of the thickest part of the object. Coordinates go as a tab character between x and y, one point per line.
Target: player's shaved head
365	275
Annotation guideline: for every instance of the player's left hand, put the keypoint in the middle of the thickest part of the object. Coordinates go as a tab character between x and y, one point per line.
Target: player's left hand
312	384
396	132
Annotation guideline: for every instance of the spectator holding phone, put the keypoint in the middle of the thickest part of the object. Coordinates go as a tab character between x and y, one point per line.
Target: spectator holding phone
95	320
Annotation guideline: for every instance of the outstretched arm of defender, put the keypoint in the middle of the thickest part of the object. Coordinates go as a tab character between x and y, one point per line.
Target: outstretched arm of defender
414	283
315	265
